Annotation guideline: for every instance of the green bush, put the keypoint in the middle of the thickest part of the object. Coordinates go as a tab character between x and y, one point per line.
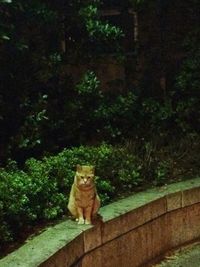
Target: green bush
40	192
188	85
25	199
108	115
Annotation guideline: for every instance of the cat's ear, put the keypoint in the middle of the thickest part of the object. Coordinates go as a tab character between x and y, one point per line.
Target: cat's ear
93	169
78	168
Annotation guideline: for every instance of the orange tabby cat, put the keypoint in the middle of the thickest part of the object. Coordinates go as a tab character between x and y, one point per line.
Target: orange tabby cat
84	201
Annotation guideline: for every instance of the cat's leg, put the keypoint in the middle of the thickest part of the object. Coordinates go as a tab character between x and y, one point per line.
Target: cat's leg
96	205
88	215
73	209
80	216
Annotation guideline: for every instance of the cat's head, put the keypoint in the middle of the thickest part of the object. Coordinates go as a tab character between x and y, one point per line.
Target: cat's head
84	175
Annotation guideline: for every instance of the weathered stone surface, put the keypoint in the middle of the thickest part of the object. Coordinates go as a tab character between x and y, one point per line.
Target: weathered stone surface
190	196
92	238
184	225
137	246
93	259
44	246
135	230
66	256
174	201
160	241
130	220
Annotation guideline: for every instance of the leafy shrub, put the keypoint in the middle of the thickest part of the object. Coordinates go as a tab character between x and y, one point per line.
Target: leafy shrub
111	163
116	115
162	172
98	115
188	85
45	105
40	192
26	198
103	37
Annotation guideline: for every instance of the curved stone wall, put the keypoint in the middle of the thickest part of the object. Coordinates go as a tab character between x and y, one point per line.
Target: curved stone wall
135	231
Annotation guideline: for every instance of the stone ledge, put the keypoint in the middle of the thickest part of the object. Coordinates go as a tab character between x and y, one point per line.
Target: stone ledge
190	197
174	201
155	220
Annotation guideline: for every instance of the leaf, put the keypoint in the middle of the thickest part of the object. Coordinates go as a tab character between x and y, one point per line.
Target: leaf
5	37
6	1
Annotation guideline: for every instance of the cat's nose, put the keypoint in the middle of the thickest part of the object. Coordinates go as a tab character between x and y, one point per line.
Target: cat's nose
85	181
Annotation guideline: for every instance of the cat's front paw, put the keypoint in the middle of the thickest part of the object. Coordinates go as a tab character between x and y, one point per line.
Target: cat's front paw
81	221
88	222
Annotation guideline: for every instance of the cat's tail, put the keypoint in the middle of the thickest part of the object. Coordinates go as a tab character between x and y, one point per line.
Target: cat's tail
97	219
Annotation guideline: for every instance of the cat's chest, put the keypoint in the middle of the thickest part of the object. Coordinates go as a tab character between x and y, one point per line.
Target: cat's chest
85	198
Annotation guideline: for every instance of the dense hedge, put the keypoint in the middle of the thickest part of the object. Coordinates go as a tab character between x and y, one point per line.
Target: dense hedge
40	192
54	99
